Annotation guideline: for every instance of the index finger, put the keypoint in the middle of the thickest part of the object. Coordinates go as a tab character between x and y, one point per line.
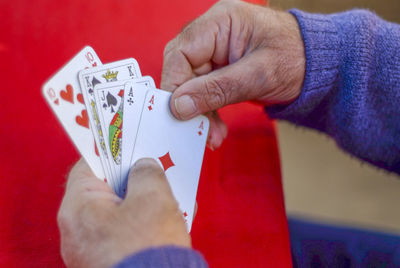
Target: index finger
201	45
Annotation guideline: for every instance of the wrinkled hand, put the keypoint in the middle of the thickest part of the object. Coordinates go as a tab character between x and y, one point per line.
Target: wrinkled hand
234	52
98	229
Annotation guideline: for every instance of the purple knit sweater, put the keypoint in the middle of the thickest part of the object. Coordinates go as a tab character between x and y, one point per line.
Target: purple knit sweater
351	89
351	92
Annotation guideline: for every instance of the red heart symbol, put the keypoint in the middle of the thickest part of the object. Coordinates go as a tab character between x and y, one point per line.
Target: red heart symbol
82	120
56	101
68	94
80	98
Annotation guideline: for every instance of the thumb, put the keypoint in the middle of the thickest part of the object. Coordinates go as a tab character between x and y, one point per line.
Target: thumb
240	81
147	183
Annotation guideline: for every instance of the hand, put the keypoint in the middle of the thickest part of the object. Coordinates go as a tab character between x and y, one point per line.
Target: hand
234	52
98	229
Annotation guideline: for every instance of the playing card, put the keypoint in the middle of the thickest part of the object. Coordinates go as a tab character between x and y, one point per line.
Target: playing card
63	94
109	100
89	79
134	95
178	146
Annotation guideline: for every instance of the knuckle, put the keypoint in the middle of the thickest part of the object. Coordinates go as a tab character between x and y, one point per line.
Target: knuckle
216	92
188	24
187	34
63	221
170	46
228	5
225	3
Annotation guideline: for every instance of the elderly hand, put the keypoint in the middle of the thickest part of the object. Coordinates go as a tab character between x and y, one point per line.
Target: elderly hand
234	52
98	229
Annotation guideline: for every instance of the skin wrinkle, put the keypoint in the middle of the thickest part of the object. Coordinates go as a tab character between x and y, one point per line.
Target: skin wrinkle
176	73
224	23
217	41
186	57
169	51
165	71
264	39
235	51
260	30
267	40
247	49
188	37
203	69
236	89
215	89
251	35
229	46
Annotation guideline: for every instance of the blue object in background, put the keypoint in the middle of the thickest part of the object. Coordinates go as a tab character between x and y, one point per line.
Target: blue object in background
322	245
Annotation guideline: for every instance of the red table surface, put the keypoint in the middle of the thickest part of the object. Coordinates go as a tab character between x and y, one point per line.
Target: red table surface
241	219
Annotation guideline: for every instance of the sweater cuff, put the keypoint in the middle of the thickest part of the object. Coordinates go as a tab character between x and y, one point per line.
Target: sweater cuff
168	256
321	43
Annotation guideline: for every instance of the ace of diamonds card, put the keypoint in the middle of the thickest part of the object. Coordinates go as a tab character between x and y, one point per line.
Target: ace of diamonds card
178	146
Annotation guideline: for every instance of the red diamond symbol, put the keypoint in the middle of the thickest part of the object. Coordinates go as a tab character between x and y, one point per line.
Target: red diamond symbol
105	180
166	161
185	214
150	108
200	133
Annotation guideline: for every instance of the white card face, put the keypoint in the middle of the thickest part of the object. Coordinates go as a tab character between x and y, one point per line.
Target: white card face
108	98
89	80
178	146
134	95
63	94
109	101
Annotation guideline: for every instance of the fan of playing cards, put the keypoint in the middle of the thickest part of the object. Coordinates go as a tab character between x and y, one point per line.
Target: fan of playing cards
115	116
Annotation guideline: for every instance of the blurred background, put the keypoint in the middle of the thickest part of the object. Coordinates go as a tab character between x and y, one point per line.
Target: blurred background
322	182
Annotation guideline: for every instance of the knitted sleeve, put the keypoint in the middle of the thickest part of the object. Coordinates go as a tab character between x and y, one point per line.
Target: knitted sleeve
164	257
351	89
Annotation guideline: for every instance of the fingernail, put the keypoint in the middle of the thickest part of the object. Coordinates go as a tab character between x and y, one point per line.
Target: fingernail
185	107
